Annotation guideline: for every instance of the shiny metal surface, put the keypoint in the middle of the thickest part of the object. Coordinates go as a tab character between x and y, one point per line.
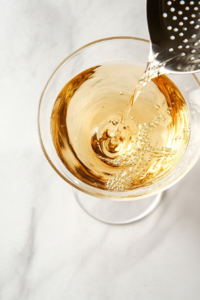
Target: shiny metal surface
174	28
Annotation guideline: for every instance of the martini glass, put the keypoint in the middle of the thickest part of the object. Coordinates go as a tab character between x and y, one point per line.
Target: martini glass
110	206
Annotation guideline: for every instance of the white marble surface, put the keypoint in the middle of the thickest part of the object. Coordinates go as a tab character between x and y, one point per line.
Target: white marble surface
49	248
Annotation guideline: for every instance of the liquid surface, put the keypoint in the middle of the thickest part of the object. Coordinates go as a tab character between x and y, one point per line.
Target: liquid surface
106	147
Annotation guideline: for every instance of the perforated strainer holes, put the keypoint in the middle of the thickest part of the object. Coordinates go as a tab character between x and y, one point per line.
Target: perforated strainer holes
185	18
182	22
169	28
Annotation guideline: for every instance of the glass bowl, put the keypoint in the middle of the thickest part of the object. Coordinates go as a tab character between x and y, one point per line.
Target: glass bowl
97	53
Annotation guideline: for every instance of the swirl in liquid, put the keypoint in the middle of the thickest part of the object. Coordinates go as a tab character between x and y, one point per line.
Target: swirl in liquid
106	148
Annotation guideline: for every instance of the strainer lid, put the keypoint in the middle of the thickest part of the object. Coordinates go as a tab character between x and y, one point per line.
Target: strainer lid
174	28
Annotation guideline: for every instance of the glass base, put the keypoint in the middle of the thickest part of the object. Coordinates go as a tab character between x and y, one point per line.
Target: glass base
117	212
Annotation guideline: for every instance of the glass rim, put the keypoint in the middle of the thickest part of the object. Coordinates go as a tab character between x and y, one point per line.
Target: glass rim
123	198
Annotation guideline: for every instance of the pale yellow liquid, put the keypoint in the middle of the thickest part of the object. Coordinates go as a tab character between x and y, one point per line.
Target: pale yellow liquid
105	150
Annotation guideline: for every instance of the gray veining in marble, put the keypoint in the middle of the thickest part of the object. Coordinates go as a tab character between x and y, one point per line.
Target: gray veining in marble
49	248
